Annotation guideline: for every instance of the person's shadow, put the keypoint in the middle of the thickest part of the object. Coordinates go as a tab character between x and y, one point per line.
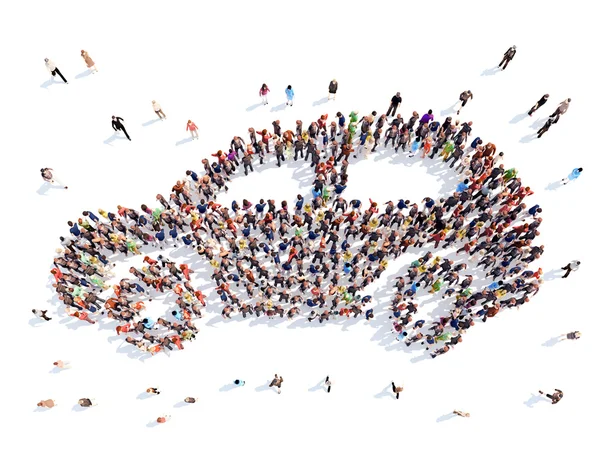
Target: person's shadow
46	84
554	185
553	274
321	101
488	72
227	387
449	110
386	392
278	107
184	141
518	118
253	107
144	395
533	400
83	74
150	122
528	138
113	138
552	341
35	322
152	424
319	386
264	387
445	417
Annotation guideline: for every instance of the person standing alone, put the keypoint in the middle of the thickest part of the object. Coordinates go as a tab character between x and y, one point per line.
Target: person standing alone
54	70
539	104
573	266
508	56
89	62
158	110
394	103
333	87
289	93
465	96
263	91
117	125
572	176
192	128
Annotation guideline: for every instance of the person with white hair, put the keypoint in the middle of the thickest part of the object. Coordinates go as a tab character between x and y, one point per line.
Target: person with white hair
54	70
158	110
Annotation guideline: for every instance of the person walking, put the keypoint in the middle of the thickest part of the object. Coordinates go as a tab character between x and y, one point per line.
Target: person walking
551	121
41	314
47	403
89	62
86	402
394	103
333	87
117	125
192	128
49	177
573	266
572	336
263	91
396	390
153	391
239	382
277	380
158	110
562	108
572	176
555	397
461	414
539	104
508	56
328	384
62	364
190	399
465	96
163	418
289	93
54	70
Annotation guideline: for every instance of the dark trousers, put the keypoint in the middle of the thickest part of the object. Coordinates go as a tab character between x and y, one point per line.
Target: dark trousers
57	72
504	61
394	389
246	168
568	269
122	128
392	109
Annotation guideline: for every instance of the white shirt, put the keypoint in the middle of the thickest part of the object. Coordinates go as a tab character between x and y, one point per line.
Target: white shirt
50	66
156	106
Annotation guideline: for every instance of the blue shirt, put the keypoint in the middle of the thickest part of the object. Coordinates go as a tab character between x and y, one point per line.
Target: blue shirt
300	203
574	175
260	207
339	188
193	175
495	285
289	93
462	187
342	121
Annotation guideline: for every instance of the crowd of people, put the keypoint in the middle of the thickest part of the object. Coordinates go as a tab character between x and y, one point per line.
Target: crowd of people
315	257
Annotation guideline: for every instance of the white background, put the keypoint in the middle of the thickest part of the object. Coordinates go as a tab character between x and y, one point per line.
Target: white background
205	62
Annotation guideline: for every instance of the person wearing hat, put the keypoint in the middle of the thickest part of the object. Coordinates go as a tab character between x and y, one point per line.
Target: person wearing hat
333	87
394	103
508	56
53	69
